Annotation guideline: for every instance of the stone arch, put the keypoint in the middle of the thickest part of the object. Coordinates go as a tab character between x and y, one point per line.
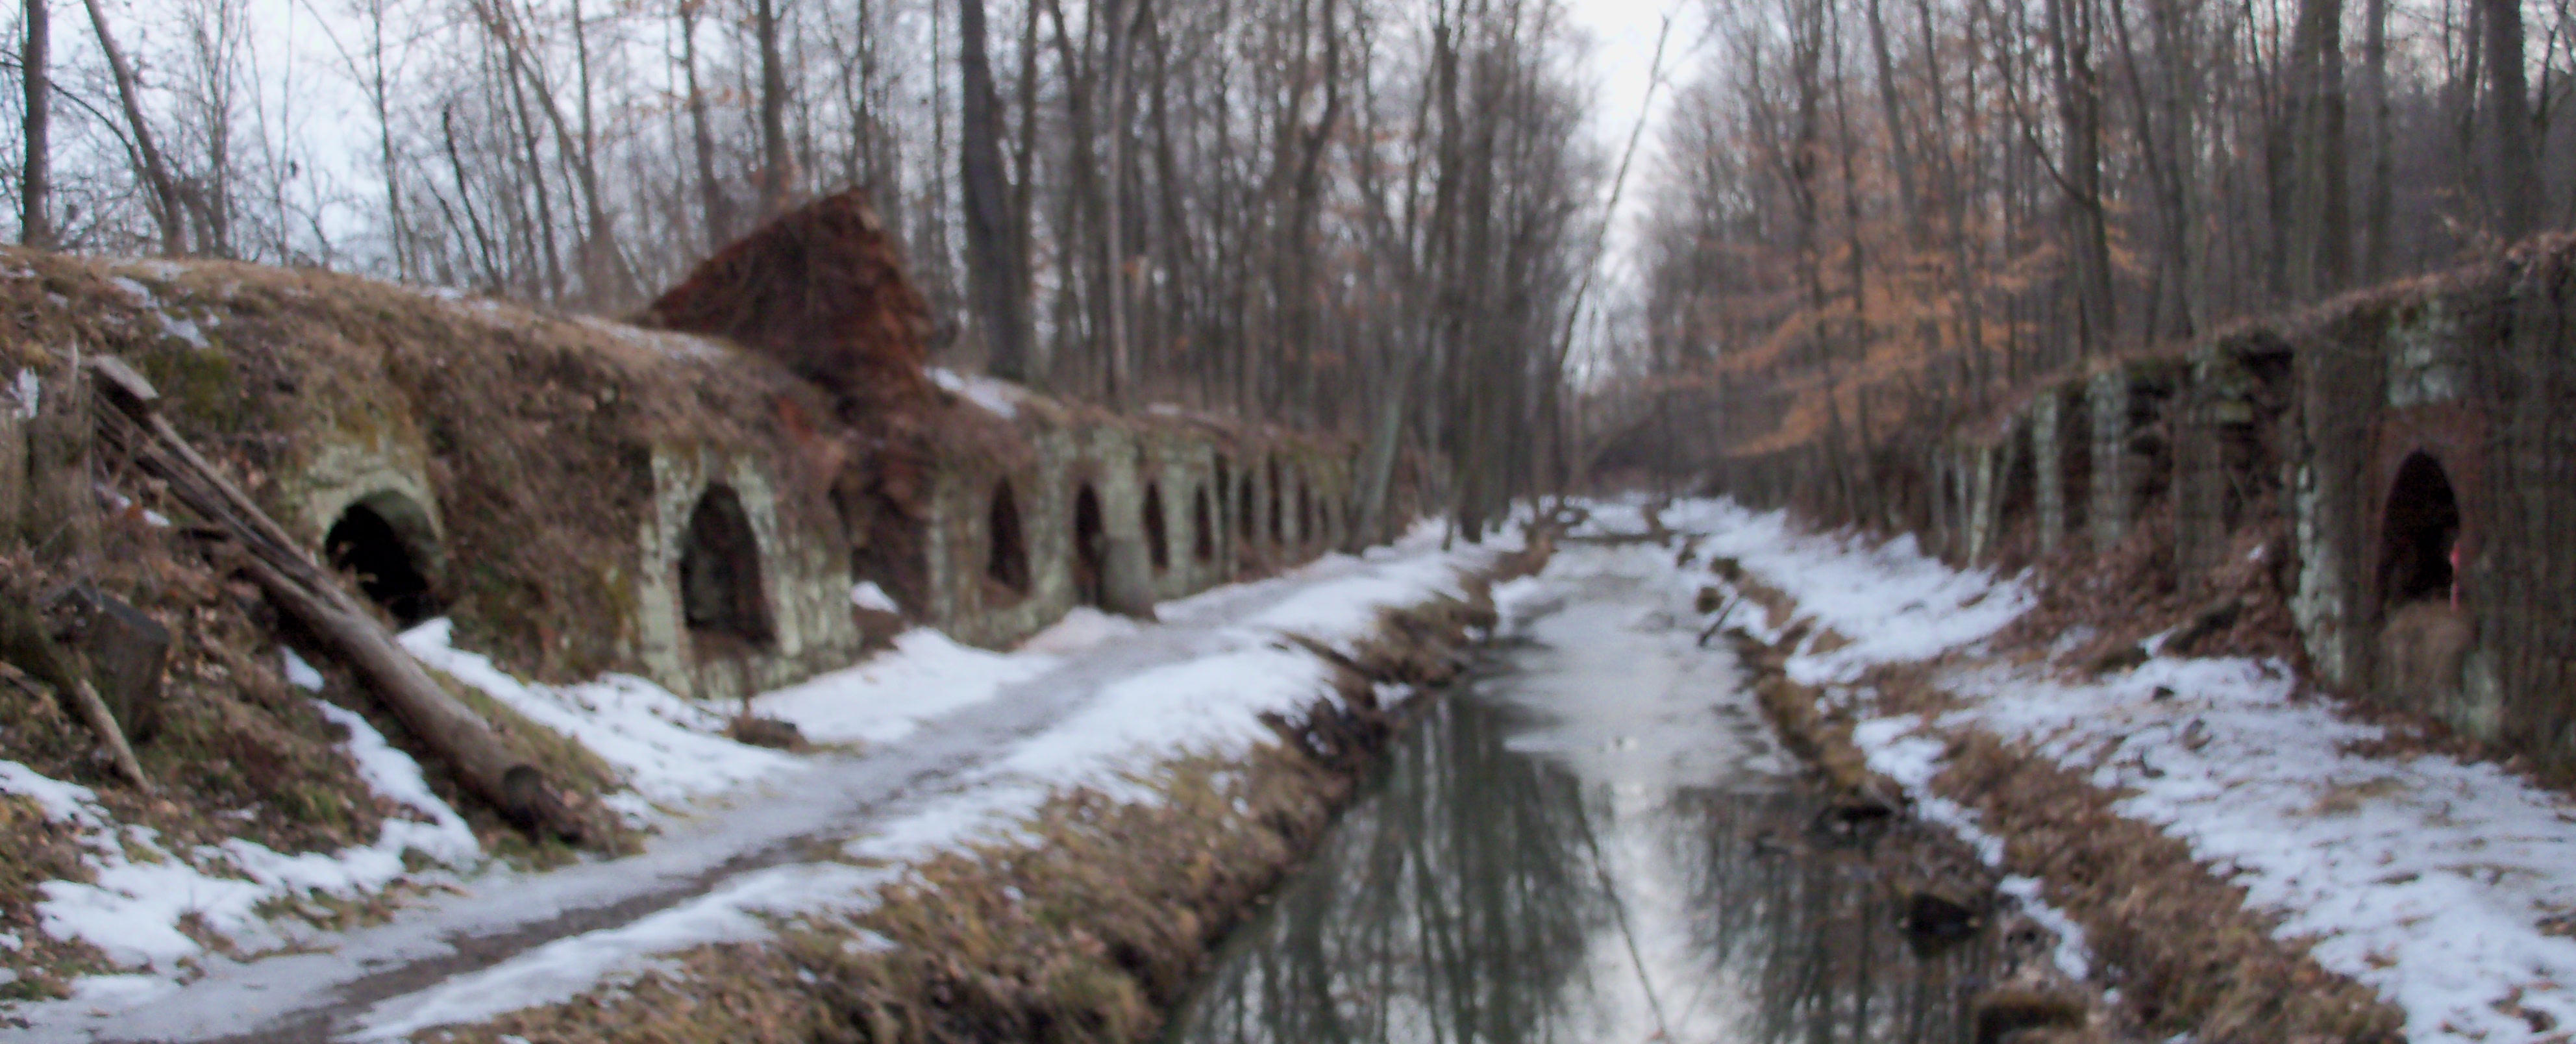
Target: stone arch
1224	485
888	546
1202	527
2419	534
1305	511
721	594
1244	508
1158	536
1090	549
1277	509
386	541
1006	553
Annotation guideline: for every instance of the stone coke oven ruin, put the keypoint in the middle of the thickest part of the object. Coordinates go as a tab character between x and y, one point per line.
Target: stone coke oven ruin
725	496
2398	462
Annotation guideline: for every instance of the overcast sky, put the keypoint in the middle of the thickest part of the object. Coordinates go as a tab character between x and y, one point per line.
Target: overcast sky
1623	50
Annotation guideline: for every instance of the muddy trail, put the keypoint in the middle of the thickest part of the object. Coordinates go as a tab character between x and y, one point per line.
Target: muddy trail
417	969
1596	836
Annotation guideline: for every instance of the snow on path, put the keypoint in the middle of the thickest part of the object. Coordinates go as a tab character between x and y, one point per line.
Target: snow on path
2423	877
1197	684
966	742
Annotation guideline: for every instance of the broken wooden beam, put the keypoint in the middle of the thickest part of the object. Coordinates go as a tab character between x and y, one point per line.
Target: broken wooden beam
483	762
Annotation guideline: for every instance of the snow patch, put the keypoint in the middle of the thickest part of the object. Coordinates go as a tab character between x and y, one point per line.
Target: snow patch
741	909
867	595
142	890
887	697
667	747
1895	602
300	674
2424	878
998	397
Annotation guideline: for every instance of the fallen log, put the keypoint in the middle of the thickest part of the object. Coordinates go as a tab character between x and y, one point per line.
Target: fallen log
483	762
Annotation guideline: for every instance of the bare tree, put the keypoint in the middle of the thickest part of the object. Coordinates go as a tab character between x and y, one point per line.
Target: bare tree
2517	191
35	220
993	275
168	211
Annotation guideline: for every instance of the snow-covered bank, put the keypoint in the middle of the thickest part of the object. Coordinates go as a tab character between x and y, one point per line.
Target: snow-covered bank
2445	887
145	899
1196	694
924	749
1130	720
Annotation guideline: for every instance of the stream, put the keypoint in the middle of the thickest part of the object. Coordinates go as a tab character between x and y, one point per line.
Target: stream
1592	837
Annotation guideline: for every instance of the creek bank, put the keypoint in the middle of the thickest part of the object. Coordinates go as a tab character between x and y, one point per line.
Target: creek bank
1090	921
2169	946
1941	881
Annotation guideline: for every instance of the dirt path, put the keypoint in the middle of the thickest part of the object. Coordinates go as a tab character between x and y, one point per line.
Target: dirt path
342	984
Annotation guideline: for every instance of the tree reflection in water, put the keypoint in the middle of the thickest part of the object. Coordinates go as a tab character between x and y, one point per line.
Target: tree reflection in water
1476	896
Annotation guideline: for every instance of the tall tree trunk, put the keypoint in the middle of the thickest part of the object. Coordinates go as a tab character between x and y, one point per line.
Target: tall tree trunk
775	175
380	91
2320	226
35	218
716	208
2378	206
1024	204
492	270
1892	112
531	141
2517	177
992	266
2079	106
1112	187
168	211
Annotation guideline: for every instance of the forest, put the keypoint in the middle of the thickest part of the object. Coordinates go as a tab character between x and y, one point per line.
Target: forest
1885	218
1389	218
1370	216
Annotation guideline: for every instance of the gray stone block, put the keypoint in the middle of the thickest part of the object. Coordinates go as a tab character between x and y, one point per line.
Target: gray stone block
127	652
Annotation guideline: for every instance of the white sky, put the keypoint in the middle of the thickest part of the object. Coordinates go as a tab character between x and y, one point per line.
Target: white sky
1622	53
298	73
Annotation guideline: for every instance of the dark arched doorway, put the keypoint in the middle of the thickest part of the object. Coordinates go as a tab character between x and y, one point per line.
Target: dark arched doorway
2424	635
1277	509
1305	513
386	543
1006	554
1158	544
2419	532
1090	549
1202	527
1243	508
721	595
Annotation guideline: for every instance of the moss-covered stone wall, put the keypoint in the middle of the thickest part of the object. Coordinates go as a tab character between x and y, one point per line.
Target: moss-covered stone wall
2400	460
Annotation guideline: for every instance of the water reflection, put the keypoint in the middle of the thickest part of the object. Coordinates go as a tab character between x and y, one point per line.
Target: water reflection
1593	841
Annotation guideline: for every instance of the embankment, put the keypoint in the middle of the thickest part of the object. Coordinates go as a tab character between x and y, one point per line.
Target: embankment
2378	488
1086	923
2179	944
